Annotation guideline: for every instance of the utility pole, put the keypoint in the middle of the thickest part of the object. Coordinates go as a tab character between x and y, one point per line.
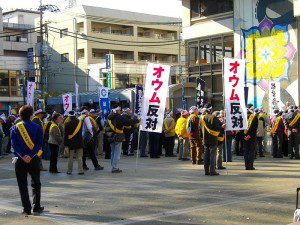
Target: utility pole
41	49
75	48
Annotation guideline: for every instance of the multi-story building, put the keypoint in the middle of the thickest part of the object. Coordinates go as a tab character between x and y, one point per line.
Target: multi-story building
80	38
17	36
263	32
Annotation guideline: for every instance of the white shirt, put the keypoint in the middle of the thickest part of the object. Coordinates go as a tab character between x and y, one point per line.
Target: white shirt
87	126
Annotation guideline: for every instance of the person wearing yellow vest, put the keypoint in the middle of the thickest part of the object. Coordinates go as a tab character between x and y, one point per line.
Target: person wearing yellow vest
27	142
46	150
169	132
221	138
38	119
293	126
211	128
115	131
128	132
88	133
55	139
277	132
249	138
193	129
183	138
260	134
73	142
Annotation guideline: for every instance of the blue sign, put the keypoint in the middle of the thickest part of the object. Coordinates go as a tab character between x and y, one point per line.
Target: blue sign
107	61
104	106
139	93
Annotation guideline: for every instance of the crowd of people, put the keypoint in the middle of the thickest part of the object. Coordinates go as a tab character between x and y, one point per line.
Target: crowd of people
201	133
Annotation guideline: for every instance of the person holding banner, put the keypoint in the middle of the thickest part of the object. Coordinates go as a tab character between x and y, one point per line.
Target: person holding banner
211	128
73	142
55	140
115	132
249	138
277	132
193	129
27	142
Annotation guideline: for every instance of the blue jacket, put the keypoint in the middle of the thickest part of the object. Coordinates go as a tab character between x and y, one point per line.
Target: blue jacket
20	148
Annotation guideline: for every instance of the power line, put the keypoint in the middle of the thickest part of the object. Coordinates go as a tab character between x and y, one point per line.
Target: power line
102	42
106	39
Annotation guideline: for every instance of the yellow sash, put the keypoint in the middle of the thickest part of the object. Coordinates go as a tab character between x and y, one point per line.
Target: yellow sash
67	120
116	130
292	123
212	132
166	125
249	123
54	125
94	123
188	121
274	128
76	130
221	138
127	127
42	124
25	136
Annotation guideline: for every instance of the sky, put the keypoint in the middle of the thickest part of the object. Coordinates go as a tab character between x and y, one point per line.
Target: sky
169	8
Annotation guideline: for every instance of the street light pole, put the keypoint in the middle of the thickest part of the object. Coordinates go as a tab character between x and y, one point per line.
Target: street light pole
41	49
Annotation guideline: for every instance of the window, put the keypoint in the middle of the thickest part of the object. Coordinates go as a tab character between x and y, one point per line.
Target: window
64	57
63	32
122	81
204	8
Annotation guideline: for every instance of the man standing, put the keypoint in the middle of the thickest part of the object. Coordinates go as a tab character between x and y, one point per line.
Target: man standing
128	132
27	142
277	132
116	123
88	140
221	137
169	132
211	127
260	133
249	139
2	121
38	119
73	141
100	123
183	140
293	125
193	129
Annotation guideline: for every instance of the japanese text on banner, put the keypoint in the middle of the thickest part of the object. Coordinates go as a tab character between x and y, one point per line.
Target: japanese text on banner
30	93
274	96
156	90
67	102
234	76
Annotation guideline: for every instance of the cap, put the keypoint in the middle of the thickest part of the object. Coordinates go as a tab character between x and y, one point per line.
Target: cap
257	111
276	112
72	113
39	111
193	109
184	112
84	111
92	111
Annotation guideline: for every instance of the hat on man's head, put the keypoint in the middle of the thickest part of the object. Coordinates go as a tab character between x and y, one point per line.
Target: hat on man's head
208	107
72	113
276	112
92	111
193	109
39	111
84	111
184	112
256	111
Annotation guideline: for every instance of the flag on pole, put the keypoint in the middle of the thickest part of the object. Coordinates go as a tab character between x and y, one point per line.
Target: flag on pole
67	102
9	111
139	94
155	95
76	95
30	93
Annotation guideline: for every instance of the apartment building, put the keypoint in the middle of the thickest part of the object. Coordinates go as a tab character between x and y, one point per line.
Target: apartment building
263	32
16	38
80	38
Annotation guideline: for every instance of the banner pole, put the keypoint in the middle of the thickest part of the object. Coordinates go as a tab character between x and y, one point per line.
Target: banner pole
138	150
225	138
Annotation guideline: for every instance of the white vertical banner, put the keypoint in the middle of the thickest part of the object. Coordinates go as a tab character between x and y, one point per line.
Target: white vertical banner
274	96
30	93
76	95
155	95
67	102
234	78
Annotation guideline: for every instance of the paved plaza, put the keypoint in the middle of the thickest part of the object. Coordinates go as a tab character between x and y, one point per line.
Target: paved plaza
161	191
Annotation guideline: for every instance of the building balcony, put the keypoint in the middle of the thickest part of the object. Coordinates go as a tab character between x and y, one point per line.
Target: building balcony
17	26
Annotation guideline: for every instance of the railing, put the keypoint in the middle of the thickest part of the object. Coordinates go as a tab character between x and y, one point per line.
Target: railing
17	26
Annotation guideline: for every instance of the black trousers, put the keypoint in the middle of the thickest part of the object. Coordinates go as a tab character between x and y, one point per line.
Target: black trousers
259	141
238	148
160	143
249	153
22	169
210	159
126	143
277	145
89	150
293	144
106	147
169	145
154	144
54	149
